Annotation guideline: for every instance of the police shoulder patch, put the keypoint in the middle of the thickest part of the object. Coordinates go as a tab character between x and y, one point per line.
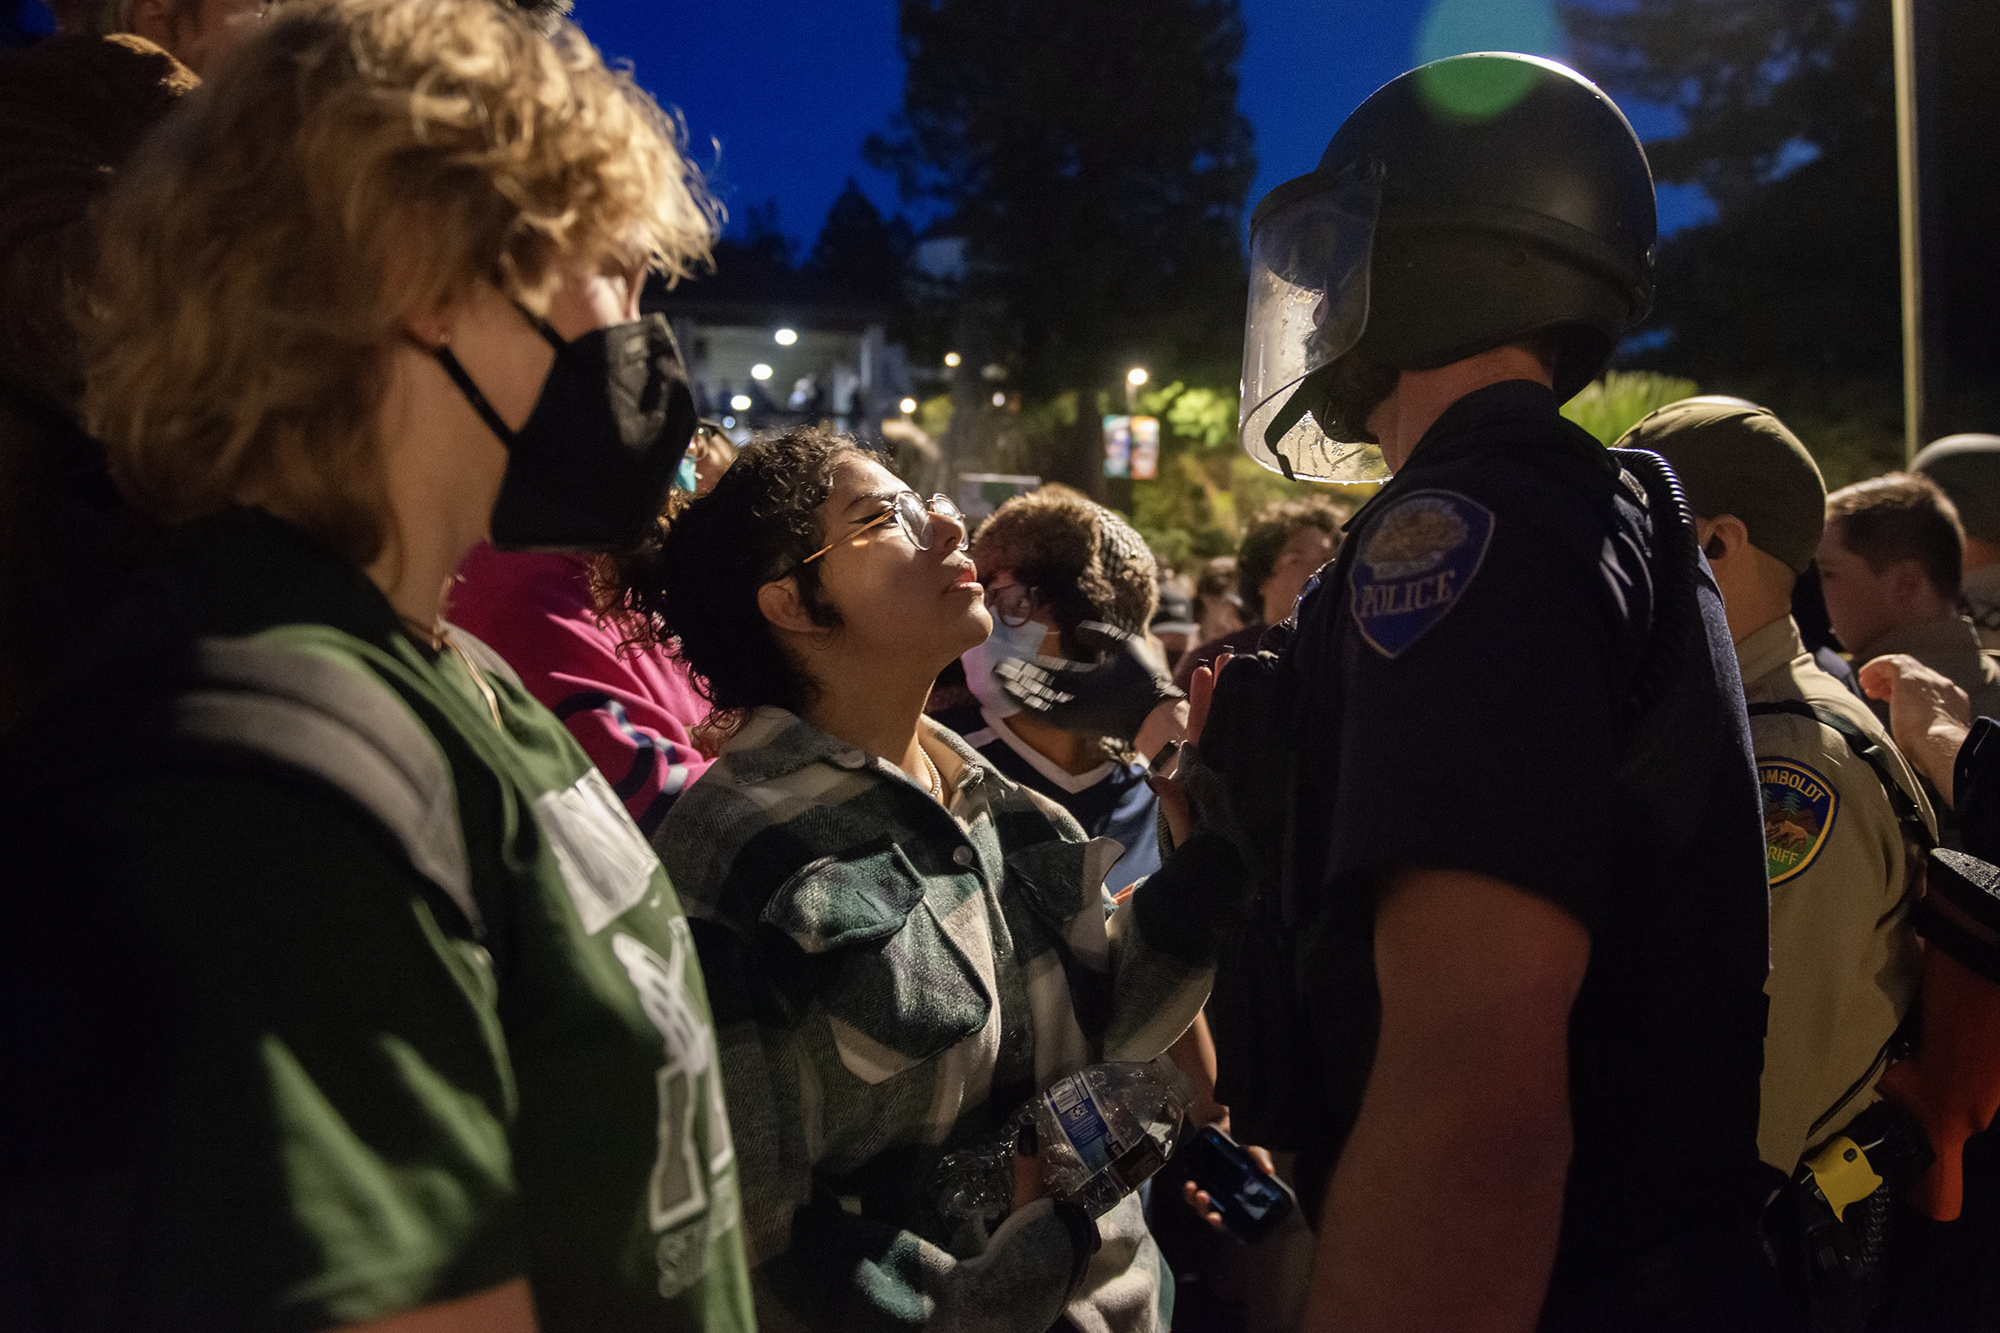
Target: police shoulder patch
1799	809
1415	562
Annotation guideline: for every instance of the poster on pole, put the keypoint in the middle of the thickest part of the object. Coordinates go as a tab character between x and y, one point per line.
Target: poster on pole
1145	448
1117	446
1132	447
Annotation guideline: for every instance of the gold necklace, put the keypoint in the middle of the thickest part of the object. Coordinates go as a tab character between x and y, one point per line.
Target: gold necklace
485	690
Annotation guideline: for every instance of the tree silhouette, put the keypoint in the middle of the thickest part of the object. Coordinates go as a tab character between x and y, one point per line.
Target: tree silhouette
1091	154
1791	294
859	251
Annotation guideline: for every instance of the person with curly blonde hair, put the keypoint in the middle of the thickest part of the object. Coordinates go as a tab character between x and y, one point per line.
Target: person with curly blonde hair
339	989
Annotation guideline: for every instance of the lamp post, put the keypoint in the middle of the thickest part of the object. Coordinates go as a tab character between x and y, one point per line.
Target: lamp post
1903	18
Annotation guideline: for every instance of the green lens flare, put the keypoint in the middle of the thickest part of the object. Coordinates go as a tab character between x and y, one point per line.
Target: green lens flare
1474	90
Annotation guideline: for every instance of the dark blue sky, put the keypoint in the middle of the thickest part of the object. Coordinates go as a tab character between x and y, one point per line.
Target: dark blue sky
789	88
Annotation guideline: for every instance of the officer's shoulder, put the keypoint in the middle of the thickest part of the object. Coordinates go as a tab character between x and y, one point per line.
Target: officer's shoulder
1808	737
1566	512
1805	682
1545	476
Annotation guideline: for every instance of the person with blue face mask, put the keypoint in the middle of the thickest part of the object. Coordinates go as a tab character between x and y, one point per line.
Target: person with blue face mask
1067	582
1007	642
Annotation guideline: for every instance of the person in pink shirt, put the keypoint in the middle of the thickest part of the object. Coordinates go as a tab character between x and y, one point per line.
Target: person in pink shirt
631	709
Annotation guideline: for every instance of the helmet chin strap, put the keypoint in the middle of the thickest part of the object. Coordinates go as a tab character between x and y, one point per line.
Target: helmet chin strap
1340	395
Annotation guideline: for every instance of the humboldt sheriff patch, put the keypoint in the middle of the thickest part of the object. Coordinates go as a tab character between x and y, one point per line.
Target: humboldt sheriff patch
1414	564
1799	809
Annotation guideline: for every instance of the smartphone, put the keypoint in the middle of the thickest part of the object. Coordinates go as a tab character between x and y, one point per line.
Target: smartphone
1251	1200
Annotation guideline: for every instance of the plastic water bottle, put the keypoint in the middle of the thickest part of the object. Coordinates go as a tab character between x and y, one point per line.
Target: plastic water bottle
1103	1131
1107	1128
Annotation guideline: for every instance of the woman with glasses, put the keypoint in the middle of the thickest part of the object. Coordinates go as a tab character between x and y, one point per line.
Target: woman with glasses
709	455
902	945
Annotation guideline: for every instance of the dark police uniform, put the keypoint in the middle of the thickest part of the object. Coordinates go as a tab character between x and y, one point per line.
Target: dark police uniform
1464	677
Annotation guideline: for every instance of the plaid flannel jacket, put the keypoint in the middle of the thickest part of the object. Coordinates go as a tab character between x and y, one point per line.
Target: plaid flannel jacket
890	981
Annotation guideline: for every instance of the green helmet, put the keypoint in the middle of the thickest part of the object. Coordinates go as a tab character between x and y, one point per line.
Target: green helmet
1734	457
1967	468
1472	202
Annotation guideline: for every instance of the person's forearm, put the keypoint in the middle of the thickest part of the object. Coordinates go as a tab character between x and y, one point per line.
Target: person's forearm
1446	1207
1193	1053
1435	1224
1936	754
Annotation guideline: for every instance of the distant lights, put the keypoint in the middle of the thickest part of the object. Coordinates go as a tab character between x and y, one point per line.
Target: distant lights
951	359
760	371
741	402
729	423
1000	399
785	337
1136	376
908	405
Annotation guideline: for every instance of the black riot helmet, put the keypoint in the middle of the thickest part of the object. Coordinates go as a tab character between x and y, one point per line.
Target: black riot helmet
1472	202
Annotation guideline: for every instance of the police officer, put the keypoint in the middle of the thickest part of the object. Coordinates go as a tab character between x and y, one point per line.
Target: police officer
1967	468
1843	813
1520	909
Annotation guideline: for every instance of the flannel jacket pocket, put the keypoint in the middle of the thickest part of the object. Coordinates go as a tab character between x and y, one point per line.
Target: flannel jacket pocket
901	989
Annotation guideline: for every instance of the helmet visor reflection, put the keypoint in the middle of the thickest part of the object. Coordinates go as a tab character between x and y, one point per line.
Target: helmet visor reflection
1308	307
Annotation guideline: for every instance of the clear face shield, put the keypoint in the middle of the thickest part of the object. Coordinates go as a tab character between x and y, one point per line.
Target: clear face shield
1308	306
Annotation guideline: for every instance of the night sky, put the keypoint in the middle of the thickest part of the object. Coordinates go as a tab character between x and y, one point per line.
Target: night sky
789	88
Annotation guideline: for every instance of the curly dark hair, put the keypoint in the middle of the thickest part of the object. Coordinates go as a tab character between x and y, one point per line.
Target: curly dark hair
1085	561
1264	541
692	587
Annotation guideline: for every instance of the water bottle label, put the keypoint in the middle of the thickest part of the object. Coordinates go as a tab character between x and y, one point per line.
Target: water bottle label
1137	1164
1084	1123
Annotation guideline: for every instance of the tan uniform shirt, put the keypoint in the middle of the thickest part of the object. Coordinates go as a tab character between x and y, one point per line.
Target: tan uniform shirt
1948	645
1981	587
1844	961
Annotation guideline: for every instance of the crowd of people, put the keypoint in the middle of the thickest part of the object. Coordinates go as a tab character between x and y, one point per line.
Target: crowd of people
486	855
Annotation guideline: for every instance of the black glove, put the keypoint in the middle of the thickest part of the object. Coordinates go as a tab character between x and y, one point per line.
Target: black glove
1112	697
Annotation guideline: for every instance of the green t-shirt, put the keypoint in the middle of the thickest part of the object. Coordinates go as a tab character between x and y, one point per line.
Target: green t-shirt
336	1094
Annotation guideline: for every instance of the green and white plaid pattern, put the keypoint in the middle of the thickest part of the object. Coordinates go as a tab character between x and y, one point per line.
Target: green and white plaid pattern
889	981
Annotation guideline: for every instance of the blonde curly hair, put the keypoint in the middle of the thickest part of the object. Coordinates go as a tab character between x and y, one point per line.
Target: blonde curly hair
355	162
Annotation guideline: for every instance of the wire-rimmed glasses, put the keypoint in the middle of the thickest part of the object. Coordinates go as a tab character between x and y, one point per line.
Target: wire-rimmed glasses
913	515
1013	604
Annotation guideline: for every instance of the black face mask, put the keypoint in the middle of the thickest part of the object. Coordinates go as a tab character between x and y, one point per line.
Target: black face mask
590	468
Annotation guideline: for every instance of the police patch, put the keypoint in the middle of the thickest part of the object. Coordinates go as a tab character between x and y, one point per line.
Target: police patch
1414	564
1799	809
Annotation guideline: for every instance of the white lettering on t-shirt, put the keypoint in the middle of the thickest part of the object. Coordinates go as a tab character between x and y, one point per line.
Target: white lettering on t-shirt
695	1150
606	862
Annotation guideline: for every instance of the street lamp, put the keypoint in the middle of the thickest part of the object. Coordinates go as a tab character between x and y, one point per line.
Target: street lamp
760	371
951	359
785	337
1134	378
908	405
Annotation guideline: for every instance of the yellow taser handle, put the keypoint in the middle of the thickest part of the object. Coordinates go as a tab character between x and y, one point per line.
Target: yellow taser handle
1842	1172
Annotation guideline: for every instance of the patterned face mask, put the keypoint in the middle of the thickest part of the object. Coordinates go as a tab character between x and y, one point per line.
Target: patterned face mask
1006	641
